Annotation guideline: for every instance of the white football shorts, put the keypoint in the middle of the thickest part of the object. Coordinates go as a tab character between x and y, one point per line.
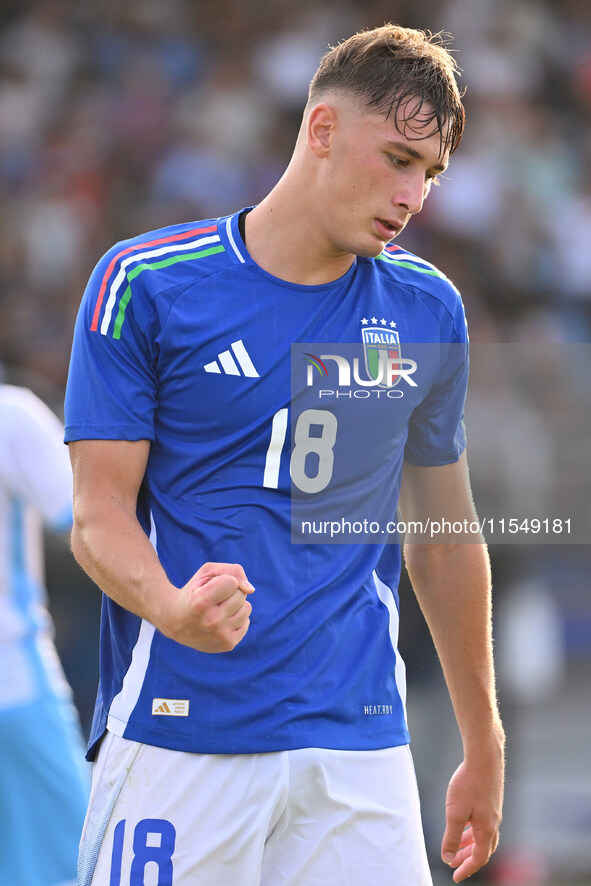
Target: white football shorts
310	817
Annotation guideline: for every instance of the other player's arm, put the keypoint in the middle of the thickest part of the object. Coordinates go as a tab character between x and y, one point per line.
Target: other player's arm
210	613
452	583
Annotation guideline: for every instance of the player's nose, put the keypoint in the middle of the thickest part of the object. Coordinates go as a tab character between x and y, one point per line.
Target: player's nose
411	194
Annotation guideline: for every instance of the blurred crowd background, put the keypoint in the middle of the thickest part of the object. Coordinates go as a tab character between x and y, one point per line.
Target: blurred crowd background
120	117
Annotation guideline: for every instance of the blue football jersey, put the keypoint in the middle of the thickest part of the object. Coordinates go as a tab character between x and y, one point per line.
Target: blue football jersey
259	427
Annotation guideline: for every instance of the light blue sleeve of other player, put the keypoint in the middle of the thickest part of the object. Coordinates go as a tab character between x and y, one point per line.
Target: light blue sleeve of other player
34	464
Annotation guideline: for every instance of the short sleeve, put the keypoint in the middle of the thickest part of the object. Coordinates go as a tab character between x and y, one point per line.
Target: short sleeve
112	386
437	433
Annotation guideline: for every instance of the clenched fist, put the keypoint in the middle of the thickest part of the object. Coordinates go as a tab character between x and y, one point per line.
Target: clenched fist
211	612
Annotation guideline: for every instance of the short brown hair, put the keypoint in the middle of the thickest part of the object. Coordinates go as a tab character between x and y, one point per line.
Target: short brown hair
386	66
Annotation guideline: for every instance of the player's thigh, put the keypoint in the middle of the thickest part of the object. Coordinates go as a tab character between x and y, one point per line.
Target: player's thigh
353	817
170	818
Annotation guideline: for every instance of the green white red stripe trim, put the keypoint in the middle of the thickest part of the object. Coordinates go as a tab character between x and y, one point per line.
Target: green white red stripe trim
179	247
395	255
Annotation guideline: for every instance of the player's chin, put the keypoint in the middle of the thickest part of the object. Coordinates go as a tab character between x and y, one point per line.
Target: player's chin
373	249
366	245
378	242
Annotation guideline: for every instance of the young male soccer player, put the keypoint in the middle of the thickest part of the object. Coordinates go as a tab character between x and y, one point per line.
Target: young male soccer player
260	738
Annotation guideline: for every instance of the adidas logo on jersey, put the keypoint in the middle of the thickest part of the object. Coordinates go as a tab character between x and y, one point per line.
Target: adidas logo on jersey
171	707
231	366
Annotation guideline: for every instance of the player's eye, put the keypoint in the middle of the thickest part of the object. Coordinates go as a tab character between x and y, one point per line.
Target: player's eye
397	162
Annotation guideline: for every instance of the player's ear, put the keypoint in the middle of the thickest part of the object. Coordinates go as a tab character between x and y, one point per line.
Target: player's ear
321	124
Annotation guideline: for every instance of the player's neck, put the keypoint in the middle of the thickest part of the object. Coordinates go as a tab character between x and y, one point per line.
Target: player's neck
281	239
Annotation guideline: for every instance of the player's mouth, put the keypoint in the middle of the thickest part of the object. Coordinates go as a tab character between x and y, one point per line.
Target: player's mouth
389	228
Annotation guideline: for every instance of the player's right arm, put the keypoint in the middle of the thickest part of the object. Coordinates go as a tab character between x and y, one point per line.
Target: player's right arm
210	613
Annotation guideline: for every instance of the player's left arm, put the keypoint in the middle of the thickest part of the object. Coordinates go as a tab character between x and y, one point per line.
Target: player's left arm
451	579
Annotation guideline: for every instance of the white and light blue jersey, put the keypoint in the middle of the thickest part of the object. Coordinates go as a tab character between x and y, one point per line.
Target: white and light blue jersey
184	341
43	776
35	489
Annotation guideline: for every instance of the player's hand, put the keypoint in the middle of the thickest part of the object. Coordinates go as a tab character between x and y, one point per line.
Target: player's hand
211	612
473	815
